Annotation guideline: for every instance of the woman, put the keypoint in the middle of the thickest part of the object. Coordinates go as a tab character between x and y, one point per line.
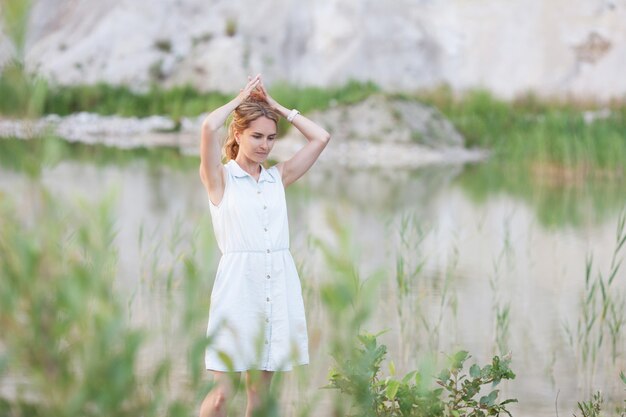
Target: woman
256	319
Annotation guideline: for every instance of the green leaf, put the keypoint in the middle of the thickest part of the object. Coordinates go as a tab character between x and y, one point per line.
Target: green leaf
510	400
459	358
392	389
474	371
418	379
392	368
226	360
489	400
444	375
408	377
623	377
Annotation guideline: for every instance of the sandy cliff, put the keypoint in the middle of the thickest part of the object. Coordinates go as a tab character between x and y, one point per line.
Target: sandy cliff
554	47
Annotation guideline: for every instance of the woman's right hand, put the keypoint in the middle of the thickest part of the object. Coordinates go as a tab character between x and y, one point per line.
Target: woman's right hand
253	83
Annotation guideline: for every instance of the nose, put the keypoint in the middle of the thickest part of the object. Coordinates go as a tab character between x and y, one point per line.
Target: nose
264	144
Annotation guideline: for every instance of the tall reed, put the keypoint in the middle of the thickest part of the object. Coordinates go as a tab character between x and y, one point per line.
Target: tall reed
598	334
69	347
68	350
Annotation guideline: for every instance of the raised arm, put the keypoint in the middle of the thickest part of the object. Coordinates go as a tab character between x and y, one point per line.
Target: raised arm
211	168
301	161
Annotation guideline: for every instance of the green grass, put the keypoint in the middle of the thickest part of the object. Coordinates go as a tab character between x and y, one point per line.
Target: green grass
176	102
15	14
64	321
21	95
598	334
67	344
60	318
550	137
547	137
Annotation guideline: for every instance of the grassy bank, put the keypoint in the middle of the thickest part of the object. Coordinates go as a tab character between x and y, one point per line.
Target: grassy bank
564	140
23	94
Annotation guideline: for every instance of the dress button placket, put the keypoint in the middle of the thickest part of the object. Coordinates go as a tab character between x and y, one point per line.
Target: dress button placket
268	269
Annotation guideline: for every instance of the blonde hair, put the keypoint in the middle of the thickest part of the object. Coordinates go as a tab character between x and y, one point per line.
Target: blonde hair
247	112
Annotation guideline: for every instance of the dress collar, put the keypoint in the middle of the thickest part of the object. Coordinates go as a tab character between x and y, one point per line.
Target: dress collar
239	172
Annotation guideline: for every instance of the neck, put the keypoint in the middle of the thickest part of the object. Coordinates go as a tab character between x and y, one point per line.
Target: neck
251	167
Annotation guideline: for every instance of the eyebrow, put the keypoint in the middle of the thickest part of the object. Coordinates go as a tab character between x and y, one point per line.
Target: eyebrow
261	133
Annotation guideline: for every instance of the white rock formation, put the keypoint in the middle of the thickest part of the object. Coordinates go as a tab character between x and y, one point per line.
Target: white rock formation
555	47
376	132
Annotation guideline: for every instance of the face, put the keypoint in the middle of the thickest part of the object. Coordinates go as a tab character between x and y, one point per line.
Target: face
257	140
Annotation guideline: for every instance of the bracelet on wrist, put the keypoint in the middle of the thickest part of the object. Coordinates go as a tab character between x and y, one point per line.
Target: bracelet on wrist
293	113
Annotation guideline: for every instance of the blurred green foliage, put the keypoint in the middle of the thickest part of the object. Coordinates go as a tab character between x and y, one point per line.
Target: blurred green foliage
15	15
34	155
64	335
68	348
566	140
457	395
21	94
175	102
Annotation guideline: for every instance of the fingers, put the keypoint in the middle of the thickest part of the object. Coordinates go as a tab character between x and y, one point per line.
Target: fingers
254	80
255	83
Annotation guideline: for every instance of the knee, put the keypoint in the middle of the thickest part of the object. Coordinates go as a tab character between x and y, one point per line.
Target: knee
219	400
214	403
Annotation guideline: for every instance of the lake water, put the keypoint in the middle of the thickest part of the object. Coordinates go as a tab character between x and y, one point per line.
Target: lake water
501	267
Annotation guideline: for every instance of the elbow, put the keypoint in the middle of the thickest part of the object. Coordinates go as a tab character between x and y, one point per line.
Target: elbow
325	138
201	173
204	178
208	128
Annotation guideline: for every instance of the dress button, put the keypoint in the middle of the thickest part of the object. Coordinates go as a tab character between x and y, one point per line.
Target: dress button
267	276
268	251
264	207
265	229
258	191
267	320
266	342
268	299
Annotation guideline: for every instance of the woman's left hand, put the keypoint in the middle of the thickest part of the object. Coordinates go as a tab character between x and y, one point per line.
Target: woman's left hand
273	103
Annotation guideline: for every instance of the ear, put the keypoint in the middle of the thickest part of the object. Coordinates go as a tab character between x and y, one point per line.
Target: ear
237	139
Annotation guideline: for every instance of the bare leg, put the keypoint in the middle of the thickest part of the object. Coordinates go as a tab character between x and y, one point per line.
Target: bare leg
214	404
257	388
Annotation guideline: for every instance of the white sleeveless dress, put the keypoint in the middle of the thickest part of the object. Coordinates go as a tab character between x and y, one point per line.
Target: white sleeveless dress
256	318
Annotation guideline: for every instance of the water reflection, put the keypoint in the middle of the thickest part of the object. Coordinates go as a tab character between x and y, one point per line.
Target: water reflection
469	260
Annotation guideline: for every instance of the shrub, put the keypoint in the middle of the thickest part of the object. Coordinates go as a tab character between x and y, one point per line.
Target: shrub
457	394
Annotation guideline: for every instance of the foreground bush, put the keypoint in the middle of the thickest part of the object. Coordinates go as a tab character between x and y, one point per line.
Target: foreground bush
458	393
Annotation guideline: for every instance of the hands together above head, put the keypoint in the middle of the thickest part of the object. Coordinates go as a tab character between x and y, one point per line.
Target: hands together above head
255	84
